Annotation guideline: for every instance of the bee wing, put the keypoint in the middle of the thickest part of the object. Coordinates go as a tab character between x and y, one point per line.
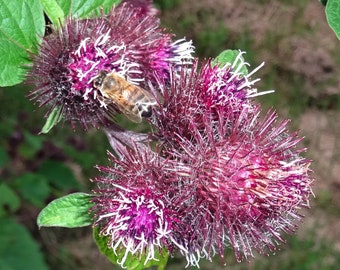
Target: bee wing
150	98
132	101
136	110
125	108
112	111
137	118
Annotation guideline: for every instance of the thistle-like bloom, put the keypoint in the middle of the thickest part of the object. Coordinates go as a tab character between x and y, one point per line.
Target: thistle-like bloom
228	87
131	208
195	92
72	57
247	182
181	106
135	220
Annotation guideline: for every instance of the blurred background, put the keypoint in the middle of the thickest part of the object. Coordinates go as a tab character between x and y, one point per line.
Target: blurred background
302	57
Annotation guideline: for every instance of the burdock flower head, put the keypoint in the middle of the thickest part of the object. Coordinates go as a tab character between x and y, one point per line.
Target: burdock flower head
200	89
181	105
73	60
229	86
247	182
131	206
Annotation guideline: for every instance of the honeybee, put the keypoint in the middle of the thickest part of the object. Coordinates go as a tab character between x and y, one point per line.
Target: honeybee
131	100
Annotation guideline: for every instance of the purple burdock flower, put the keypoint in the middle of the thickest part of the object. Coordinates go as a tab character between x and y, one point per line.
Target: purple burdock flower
227	86
169	54
243	183
74	58
182	106
131	208
194	92
135	220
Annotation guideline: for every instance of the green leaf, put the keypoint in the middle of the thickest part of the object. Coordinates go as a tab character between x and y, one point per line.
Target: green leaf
324	2
108	4
70	211
228	57
87	8
52	120
3	157
8	200
60	9
59	175
33	188
31	145
132	262
85	158
83	8
18	250
21	26
54	11
333	15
